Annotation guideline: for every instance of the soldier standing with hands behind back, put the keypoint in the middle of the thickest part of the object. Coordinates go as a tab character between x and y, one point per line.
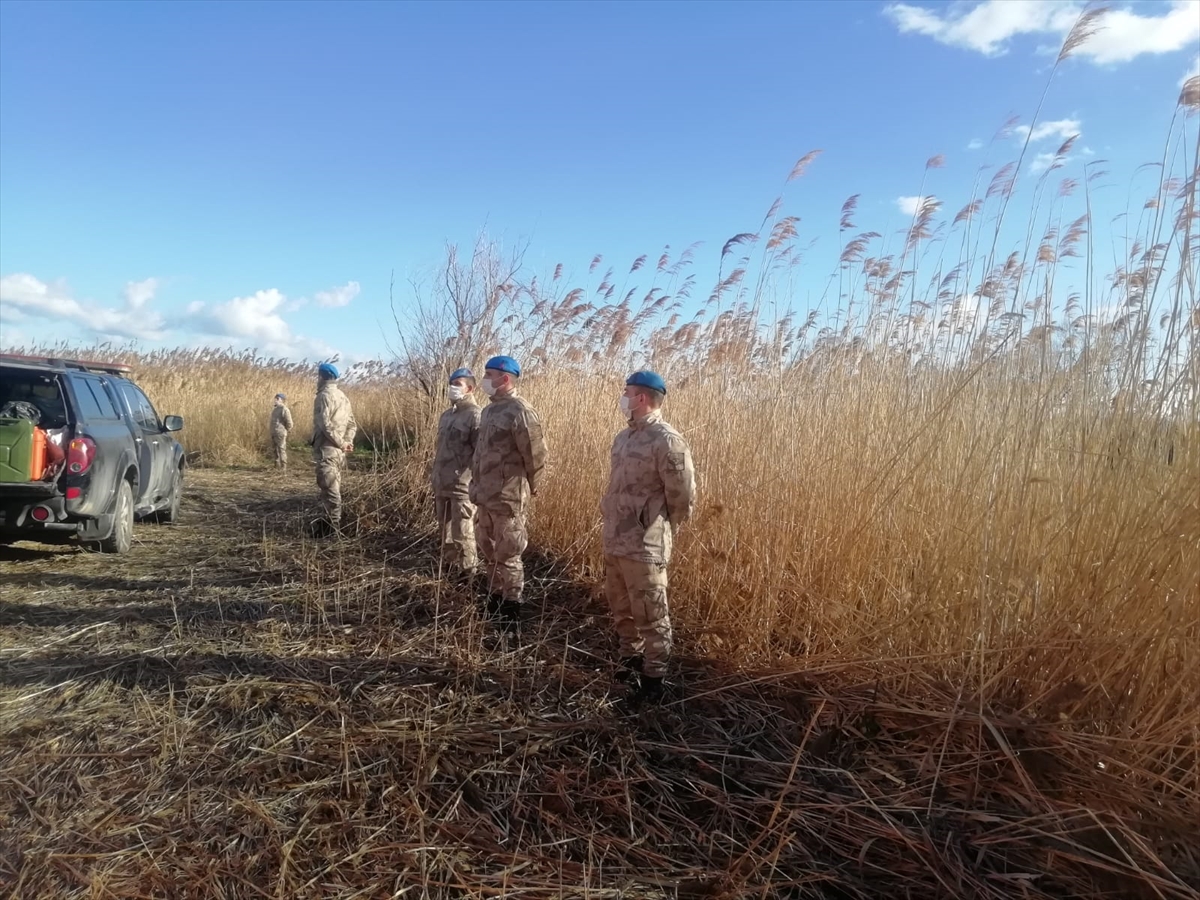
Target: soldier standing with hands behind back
510	457
458	432
333	438
651	492
281	424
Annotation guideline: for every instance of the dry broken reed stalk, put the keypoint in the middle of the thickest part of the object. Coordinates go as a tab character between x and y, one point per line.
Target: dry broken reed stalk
225	398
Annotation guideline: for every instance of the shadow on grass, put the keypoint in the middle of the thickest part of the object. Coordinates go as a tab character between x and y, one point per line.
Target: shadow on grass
155	673
38	552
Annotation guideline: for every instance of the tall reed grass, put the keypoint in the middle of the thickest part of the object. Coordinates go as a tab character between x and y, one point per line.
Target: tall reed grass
980	463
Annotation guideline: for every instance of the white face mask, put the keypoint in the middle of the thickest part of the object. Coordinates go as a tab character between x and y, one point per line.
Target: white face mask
457	392
626	406
488	387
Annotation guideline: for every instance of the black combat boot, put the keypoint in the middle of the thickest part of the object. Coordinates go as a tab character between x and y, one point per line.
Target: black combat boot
494	602
629	670
650	691
510	616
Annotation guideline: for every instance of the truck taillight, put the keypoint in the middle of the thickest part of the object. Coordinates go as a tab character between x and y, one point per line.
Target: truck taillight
80	453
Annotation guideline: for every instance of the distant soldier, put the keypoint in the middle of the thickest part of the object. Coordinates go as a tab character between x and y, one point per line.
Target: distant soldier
333	438
510	457
651	492
458	431
281	424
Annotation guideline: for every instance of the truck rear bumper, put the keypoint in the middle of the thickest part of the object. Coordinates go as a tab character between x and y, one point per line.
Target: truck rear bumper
17	519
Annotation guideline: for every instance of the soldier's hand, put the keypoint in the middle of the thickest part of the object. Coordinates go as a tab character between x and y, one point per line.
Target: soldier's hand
347	447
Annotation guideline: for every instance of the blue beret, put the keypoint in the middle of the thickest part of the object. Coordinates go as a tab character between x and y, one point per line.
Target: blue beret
281	396
461	373
327	371
646	379
504	364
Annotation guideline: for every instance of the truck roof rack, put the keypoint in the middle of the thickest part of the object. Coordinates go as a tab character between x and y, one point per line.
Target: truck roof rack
81	364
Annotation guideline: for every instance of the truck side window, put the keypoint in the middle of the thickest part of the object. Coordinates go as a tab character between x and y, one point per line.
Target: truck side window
140	408
94	401
89	409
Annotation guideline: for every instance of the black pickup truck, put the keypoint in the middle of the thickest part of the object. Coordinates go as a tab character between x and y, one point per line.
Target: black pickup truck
82	453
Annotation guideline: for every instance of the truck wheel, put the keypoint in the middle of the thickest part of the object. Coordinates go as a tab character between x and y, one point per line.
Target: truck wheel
121	539
169	514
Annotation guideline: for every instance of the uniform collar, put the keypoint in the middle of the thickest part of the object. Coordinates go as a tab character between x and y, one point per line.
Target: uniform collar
652	418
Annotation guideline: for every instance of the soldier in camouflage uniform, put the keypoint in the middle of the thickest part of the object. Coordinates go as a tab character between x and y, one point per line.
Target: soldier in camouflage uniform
281	424
510	457
651	492
333	437
458	431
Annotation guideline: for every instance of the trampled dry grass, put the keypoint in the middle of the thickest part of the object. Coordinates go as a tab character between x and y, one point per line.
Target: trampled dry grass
232	711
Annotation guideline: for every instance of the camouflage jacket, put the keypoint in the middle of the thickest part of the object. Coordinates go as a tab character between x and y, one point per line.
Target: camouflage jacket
510	456
651	491
281	419
333	421
458	430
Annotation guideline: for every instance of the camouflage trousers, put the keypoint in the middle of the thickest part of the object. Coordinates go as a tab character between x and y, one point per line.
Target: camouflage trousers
279	443
637	599
329	483
456	531
502	539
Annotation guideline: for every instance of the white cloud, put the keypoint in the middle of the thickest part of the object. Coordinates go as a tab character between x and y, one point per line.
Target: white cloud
976	144
1061	129
138	293
27	295
255	320
988	27
338	296
1126	35
910	206
49	311
1042	162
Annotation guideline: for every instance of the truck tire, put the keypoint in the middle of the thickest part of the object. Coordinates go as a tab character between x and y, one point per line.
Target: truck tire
121	539
169	514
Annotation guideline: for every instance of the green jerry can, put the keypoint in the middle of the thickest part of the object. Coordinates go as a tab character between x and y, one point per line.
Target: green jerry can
16	451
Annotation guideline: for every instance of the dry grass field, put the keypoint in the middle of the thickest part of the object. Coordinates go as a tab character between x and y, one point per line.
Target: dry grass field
233	710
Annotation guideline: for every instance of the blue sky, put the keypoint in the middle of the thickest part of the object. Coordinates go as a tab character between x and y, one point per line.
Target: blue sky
250	174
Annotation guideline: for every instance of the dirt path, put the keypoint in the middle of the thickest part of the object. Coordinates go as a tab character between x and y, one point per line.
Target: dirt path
209	557
232	710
